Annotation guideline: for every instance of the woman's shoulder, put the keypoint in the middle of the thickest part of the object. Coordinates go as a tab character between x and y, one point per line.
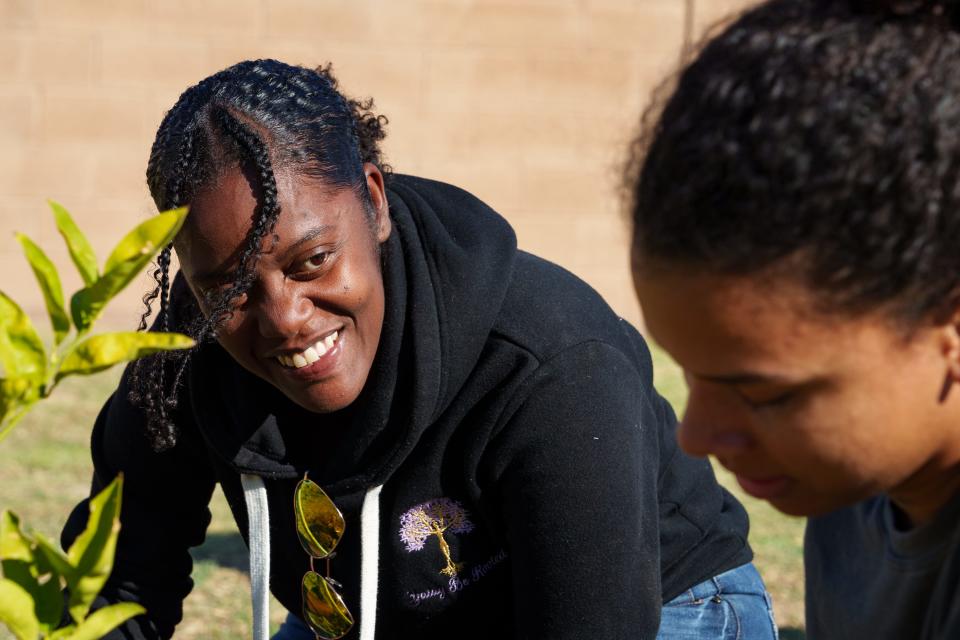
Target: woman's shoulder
548	310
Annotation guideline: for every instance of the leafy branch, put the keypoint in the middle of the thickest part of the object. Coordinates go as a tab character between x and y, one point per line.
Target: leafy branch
35	570
32	370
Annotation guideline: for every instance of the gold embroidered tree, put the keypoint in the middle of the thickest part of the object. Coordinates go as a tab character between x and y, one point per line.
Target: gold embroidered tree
435	518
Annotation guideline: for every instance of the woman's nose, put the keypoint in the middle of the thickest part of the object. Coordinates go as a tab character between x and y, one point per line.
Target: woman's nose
280	311
710	424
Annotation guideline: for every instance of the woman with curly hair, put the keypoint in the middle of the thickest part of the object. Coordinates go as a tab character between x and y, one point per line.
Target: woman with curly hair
796	231
421	431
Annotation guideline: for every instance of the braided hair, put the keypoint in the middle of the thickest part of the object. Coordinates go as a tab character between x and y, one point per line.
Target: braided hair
819	138
263	115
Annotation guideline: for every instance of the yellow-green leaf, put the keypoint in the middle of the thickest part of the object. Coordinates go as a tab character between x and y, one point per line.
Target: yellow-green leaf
49	281
21	349
14	545
91	554
56	558
100	352
104	620
17	395
31	571
16	611
147	238
80	250
130	256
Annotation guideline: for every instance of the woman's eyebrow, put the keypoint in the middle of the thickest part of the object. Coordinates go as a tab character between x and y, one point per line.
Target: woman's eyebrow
746	378
309	235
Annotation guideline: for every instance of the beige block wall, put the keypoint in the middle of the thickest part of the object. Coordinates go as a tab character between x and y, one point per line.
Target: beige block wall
529	104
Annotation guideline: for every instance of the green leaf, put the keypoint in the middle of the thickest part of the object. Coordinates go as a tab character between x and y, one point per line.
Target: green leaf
104	620
130	256
147	238
14	545
21	350
31	571
91	554
56	558
49	281
105	350
13	410
80	250
16	611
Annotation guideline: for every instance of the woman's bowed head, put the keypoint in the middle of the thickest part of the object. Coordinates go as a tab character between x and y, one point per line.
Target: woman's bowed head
296	299
796	209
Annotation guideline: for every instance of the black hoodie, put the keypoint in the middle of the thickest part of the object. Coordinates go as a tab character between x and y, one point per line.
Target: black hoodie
504	390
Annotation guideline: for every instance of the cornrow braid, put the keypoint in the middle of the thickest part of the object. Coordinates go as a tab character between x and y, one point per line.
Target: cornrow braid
261	115
265	217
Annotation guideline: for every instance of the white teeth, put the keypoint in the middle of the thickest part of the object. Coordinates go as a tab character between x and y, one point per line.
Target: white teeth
310	354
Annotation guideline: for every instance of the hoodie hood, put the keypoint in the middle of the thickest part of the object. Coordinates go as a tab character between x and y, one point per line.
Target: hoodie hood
446	269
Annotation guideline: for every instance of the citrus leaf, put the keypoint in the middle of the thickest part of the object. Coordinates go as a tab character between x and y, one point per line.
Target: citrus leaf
21	350
14	545
91	554
49	281
11	419
80	250
147	238
106	619
56	558
105	350
130	256
16	611
31	571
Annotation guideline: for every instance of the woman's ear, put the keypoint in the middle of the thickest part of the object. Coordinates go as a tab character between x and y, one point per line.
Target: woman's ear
950	345
378	199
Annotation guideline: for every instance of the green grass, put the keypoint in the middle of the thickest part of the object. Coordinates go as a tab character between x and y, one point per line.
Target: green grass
45	470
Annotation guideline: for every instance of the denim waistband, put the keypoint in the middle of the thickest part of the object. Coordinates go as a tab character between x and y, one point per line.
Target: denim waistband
744	579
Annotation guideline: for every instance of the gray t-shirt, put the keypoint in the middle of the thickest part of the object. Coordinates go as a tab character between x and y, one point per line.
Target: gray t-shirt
867	578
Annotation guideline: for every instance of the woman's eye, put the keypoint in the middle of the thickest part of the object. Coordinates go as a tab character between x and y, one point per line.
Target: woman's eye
314	262
767	400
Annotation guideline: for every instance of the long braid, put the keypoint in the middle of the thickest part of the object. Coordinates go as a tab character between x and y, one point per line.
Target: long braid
265	216
159	400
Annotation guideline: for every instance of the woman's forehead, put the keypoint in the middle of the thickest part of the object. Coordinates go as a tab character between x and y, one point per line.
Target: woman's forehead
712	323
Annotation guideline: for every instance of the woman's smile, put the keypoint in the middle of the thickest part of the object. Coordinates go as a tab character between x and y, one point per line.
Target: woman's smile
314	363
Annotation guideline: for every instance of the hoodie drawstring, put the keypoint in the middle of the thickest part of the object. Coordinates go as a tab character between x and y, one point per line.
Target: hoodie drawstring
258	535
369	562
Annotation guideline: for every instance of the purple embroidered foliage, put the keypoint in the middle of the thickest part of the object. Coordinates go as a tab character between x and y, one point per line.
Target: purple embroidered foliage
435	518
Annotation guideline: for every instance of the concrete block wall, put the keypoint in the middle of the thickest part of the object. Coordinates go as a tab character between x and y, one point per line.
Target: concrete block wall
530	104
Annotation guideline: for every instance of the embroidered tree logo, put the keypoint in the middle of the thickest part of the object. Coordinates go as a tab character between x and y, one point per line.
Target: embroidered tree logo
435	518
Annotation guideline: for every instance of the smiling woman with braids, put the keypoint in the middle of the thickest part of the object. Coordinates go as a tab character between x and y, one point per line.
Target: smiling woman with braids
375	345
797	250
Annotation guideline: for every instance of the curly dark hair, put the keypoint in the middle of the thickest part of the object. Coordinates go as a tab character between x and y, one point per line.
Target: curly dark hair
261	115
818	136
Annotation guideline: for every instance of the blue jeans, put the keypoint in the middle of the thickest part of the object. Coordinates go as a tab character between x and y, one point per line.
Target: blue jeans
734	605
293	628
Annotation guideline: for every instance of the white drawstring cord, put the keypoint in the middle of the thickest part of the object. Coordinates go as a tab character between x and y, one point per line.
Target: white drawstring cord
369	562
258	537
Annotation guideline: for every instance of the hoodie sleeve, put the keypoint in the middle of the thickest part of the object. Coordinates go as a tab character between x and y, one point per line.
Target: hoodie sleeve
164	513
578	463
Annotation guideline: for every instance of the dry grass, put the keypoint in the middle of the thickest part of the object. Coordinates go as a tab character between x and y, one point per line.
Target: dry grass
45	469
